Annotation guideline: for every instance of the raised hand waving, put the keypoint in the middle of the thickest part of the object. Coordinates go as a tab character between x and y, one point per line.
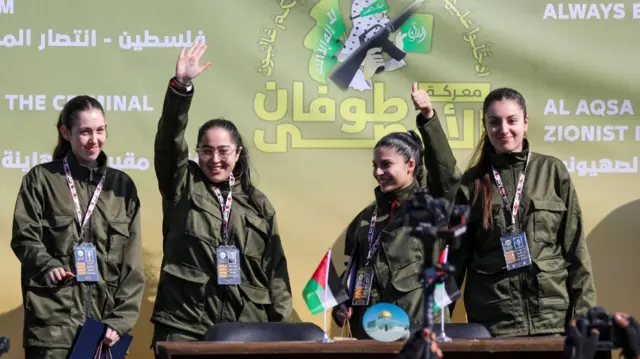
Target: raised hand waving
188	66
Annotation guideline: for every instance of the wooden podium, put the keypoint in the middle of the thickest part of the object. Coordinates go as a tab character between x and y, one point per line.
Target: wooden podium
520	348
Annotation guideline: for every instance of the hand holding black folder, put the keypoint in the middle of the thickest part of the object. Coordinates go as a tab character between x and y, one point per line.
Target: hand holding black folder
89	343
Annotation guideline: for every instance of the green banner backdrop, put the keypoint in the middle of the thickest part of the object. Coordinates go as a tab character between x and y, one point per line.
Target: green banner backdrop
310	142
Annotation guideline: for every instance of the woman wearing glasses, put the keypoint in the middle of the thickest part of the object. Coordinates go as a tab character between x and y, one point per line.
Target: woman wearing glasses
223	260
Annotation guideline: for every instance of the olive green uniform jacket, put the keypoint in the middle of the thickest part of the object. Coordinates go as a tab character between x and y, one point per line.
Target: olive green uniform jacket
536	300
397	263
189	298
45	231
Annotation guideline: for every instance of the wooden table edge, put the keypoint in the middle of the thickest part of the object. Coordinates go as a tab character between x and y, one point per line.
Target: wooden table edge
360	346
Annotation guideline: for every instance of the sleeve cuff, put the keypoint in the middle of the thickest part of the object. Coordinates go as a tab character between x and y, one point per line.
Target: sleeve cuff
51	264
421	120
118	329
179	89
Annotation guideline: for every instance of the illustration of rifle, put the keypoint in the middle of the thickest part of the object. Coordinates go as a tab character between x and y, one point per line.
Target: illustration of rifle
344	73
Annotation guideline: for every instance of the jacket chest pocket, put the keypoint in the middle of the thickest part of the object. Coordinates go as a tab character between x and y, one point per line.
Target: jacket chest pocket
203	220
118	236
117	239
487	295
59	234
182	293
551	280
400	249
256	300
256	232
42	308
403	255
403	282
547	217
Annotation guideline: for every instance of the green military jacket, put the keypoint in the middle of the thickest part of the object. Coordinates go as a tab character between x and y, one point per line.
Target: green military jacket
558	286
397	263
45	231
189	297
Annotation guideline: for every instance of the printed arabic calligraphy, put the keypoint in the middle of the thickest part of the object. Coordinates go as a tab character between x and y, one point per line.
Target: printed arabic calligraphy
384	113
89	38
605	165
267	44
470	37
14	159
416	34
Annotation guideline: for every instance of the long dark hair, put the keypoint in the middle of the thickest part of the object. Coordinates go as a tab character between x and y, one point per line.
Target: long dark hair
409	145
68	118
480	164
241	168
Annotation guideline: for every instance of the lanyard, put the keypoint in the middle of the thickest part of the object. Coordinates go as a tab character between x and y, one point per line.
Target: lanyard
503	192
225	207
94	199
373	246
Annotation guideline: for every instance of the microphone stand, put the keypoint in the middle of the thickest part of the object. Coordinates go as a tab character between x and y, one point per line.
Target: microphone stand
430	219
431	276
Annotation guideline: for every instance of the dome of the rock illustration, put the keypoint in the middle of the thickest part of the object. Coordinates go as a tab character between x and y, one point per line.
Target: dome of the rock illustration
385	314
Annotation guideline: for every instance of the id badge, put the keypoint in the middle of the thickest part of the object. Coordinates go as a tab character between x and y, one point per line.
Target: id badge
516	250
86	263
228	265
362	289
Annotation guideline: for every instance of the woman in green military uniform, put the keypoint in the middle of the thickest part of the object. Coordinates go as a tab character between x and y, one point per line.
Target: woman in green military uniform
76	232
223	260
528	270
377	242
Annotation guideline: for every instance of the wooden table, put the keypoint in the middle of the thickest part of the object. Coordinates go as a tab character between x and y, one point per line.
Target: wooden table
518	348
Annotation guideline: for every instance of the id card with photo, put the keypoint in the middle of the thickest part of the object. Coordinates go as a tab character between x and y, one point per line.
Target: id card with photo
228	265
516	250
362	291
85	256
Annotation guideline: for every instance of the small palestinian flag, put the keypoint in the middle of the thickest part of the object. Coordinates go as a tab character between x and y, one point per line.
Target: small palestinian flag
447	292
324	290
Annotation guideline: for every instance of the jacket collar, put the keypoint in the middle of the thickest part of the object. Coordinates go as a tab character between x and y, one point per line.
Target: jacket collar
385	200
224	186
512	159
83	172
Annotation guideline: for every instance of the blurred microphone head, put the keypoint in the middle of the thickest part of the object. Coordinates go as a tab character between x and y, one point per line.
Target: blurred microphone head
598	318
4	345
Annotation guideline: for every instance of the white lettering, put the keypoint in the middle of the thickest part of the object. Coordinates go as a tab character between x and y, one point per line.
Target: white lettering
605	108
591	108
148	40
552	109
618	9
111	103
26	160
27	102
59	101
117	103
602	11
593	13
604	165
592	133
576	11
11	99
636	11
6	7
606	9
549	12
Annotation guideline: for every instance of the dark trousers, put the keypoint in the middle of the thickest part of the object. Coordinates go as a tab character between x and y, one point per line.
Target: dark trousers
46	353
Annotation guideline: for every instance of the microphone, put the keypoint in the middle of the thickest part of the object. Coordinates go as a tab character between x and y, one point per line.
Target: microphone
4	345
